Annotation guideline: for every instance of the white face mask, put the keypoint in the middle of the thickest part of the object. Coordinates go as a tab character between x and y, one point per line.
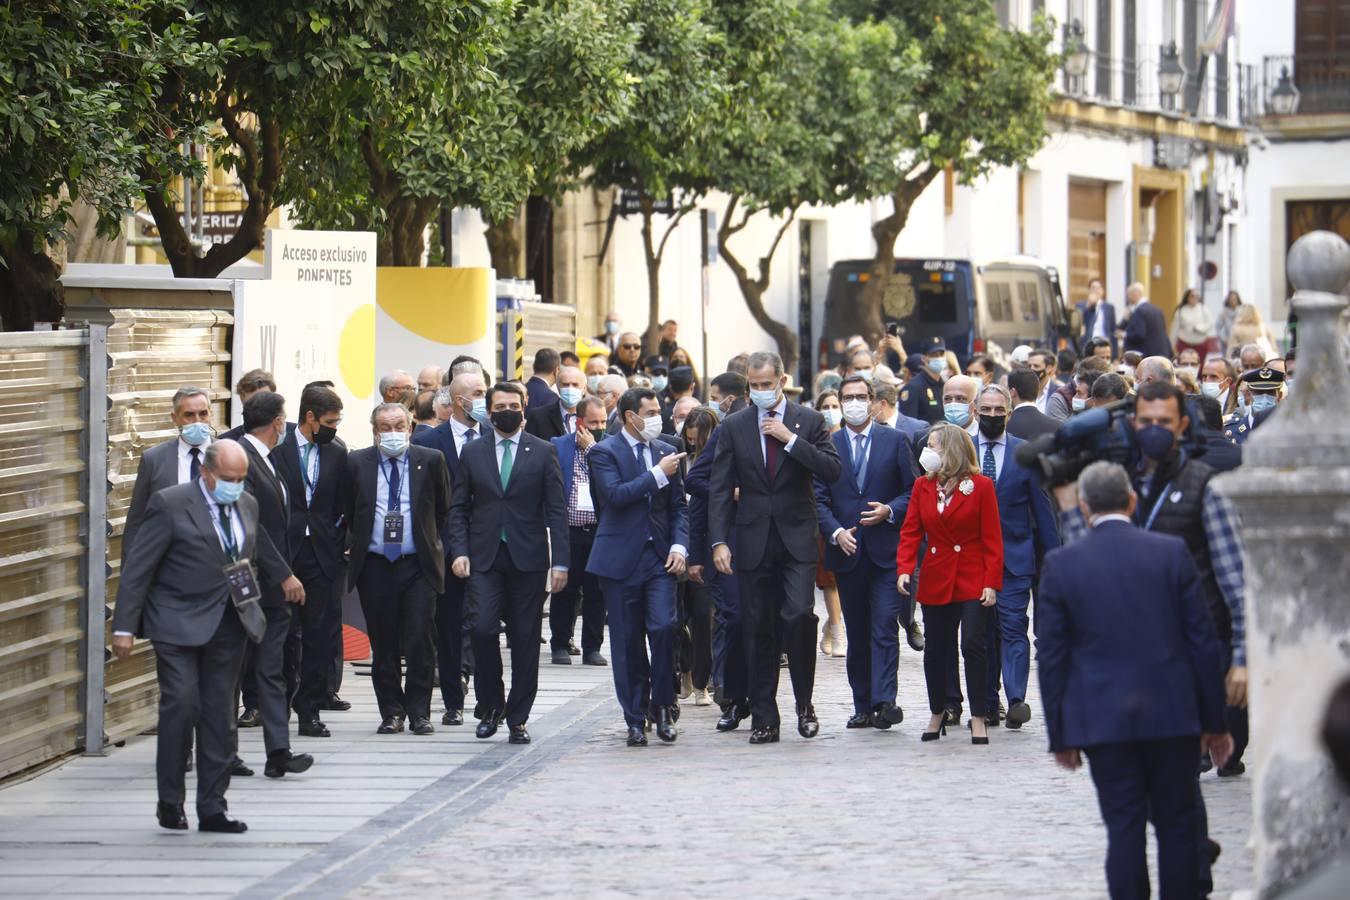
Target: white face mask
864	374
1079	404
832	418
856	412
651	428
1211	389
938	364
930	459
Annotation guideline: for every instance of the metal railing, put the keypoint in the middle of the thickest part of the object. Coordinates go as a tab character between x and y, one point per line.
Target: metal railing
1321	79
1224	94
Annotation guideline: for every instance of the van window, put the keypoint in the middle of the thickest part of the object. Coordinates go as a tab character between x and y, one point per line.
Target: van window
1029	301
937	303
999	298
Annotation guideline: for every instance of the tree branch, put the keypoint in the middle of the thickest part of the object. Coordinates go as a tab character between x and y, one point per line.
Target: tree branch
766	260
674	223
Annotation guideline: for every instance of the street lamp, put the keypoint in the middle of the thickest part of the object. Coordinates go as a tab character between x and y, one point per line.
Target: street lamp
1075	56
1284	99
1171	76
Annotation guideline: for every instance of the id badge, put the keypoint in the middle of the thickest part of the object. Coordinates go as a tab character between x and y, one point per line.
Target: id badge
393	528
243	582
585	502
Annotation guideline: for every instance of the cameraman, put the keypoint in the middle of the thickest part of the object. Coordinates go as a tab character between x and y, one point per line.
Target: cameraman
1175	498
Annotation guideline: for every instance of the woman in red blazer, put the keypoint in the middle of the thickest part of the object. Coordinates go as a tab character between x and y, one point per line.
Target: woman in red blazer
955	508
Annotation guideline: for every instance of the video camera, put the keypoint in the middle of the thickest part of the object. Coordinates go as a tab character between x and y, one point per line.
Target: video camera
1096	434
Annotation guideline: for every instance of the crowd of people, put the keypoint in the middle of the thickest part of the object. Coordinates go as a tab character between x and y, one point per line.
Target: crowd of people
694	521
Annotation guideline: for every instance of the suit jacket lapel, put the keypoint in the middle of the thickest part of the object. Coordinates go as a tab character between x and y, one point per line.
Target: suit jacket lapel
199	511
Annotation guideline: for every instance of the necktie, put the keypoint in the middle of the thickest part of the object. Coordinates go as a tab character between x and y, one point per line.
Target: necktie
195	466
569	423
507	459
304	468
771	446
227	531
393	551
859	459
987	466
642	465
470	434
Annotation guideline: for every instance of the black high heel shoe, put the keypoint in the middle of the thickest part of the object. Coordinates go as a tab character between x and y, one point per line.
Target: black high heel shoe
934	735
973	738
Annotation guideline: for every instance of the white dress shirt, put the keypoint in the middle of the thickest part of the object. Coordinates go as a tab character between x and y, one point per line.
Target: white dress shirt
1111	517
185	458
1000	444
661	479
1099	322
382	482
266	453
460	432
763	414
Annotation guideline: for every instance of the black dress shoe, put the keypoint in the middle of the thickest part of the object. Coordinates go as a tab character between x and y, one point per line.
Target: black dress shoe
250	719
665	725
239	770
314	728
284	762
518	735
1019	713
453	717
487	726
637	737
593	658
808	726
390	725
887	714
1206	764
334	703
859	720
732	717
572	648
991	720
767	734
222	823
914	634
171	816
422	725
1232	769
562	658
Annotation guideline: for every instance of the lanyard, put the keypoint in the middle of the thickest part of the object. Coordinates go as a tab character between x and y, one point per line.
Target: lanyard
402	480
1158	505
304	467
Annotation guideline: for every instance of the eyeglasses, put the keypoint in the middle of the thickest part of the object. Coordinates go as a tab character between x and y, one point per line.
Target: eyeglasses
631	346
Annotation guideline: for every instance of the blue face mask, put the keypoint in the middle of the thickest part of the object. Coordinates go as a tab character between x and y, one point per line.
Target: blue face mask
659	383
196	434
957	413
938	364
1262	403
226	492
764	399
571	396
393	443
479	412
1155	441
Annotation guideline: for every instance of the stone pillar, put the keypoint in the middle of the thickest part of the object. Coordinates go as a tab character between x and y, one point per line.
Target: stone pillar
1293	494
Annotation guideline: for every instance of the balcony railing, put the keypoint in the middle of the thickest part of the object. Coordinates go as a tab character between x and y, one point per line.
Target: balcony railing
1321	79
1225	95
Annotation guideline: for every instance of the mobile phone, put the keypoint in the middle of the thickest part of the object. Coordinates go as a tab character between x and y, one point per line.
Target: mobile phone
894	329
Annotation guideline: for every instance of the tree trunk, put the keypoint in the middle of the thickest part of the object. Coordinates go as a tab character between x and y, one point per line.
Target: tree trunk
29	287
652	341
404	237
753	289
503	240
885	231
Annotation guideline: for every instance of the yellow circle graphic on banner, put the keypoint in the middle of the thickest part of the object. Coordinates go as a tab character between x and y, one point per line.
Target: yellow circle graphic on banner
446	306
356	351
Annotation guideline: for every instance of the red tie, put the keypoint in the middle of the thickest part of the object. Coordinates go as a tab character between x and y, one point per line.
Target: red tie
771	450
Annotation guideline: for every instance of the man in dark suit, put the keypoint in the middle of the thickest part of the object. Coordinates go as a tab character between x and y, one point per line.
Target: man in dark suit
265	424
1026	421
1218	451
1131	673
860	515
312	464
1146	329
1029	530
559	417
175	593
640	549
250	383
508	519
540	386
468	412
172	462
397	497
772	452
583	587
1099	318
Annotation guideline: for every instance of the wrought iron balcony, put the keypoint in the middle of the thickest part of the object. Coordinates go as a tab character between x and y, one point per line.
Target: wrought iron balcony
1306	84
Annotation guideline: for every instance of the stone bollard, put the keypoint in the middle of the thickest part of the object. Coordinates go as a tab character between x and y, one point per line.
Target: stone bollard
1293	494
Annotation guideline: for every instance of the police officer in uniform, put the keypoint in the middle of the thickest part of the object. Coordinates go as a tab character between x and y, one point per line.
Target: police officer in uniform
921	398
1267	388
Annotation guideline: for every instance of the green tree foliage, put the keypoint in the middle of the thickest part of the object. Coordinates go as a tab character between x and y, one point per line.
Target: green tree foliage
80	107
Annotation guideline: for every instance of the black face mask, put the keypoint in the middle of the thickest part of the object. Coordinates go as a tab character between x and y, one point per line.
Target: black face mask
992	426
598	434
507	421
324	434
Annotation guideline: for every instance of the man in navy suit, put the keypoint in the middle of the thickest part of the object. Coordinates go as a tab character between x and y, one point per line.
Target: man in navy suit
1029	532
860	515
640	549
1131	673
540	386
1099	318
1146	329
468	411
573	459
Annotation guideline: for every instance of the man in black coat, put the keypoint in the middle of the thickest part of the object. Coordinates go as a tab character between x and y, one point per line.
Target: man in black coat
508	519
397	497
1146	328
1026	421
559	416
771	452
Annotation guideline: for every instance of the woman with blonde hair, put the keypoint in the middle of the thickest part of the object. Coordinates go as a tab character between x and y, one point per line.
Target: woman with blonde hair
1248	328
955	509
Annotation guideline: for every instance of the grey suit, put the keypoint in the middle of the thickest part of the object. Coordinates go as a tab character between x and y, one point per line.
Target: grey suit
173	592
158	469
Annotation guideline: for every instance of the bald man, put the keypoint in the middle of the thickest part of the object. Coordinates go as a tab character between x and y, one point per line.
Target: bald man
1146	329
558	418
429	378
628	354
1154	368
398	387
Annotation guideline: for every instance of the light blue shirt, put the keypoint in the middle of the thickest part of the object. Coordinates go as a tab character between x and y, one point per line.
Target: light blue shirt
311	477
382	504
231	513
649	459
999	446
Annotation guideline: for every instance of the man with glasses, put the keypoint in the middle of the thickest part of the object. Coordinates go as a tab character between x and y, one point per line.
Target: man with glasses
628	355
